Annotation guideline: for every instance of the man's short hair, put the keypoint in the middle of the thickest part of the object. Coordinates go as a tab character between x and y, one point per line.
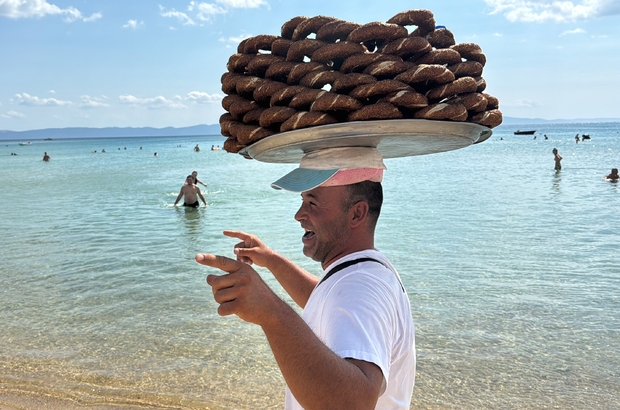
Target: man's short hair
371	193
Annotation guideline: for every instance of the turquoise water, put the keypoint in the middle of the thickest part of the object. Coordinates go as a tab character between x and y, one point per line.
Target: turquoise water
511	268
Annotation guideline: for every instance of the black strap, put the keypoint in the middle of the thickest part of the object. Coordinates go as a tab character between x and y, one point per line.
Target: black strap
345	265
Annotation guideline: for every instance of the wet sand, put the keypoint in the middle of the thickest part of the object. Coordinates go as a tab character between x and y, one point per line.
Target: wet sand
33	402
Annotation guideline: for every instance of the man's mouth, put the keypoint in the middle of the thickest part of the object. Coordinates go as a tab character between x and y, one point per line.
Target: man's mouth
309	235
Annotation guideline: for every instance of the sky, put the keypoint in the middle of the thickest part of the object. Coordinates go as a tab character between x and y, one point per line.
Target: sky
142	63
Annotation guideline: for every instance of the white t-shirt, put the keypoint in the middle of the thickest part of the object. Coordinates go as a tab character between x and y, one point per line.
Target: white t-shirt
362	312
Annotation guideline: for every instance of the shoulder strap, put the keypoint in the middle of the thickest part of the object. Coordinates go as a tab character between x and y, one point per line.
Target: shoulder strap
345	265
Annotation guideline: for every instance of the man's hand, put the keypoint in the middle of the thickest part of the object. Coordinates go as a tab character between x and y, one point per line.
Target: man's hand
241	291
251	249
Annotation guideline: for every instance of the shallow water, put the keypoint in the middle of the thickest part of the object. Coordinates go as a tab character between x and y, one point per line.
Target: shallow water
511	269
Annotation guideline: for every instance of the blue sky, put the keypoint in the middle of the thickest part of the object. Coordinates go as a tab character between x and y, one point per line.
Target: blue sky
138	63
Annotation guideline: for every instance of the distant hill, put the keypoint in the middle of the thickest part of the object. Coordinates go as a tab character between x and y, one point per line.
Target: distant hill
517	121
109	132
203	129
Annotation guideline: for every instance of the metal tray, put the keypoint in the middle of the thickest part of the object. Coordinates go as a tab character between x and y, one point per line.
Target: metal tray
392	138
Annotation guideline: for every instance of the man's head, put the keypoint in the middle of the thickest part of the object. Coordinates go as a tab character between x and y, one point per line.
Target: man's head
189	179
339	220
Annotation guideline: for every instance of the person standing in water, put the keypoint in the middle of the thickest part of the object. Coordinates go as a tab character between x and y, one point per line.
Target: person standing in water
191	193
46	157
558	159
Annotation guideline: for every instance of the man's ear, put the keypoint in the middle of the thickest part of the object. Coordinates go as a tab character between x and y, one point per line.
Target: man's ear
358	214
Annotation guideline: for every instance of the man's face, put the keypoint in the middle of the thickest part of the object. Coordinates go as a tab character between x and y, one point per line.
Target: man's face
322	217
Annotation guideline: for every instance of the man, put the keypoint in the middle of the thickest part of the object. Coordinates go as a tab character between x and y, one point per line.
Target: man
46	157
353	347
190	191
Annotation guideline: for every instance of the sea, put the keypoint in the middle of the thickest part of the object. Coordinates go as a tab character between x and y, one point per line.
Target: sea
512	269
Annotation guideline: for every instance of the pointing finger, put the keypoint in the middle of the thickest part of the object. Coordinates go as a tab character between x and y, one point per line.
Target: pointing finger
219	262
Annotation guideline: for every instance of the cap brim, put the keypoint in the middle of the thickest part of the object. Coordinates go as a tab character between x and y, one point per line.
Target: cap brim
302	179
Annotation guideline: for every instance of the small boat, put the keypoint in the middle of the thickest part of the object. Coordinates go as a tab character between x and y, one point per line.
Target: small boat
519	132
47	139
25	143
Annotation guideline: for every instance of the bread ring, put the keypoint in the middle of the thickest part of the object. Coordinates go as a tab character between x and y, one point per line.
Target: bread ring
289	27
280	46
380	88
470	52
378	111
387	69
232	146
482	84
283	97
253	117
229	82
247	134
259	64
459	86
225	120
347	82
262	94
336	53
309	26
302	100
426	72
261	42
424	19
279	70
407	47
229	100
275	116
440	56
238	63
466	69
377	31
441	38
247	84
492	102
490	118
358	62
302	49
336	30
320	79
239	108
329	102
406	99
304	119
443	111
473	102
302	69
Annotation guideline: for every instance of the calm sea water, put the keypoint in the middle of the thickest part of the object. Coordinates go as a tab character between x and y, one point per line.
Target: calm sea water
512	271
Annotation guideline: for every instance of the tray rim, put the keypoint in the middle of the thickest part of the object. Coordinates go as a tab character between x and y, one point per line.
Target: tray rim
392	133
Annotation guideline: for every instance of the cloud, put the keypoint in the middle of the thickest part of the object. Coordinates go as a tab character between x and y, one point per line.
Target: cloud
575	31
40	8
526	104
243	4
158	102
203	11
93	102
13	114
182	17
540	11
29	100
203	98
133	24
